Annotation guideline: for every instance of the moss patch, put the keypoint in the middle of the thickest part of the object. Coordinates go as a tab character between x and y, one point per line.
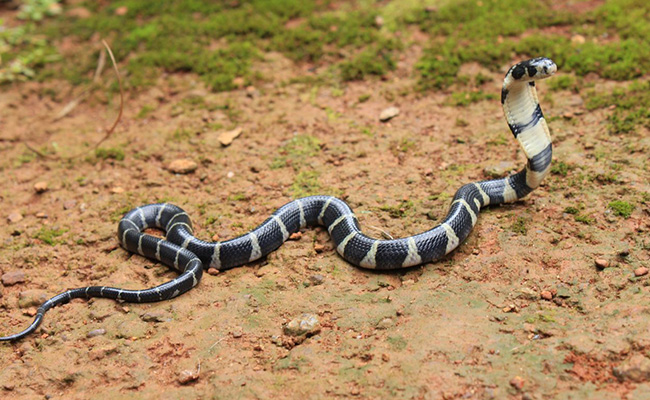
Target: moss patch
297	152
632	107
622	208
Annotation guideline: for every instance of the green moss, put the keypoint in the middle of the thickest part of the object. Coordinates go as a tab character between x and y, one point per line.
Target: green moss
400	210
373	61
584	219
519	226
465	98
49	235
571	210
563	82
438	66
632	106
404	145
488	34
113	153
622	208
306	184
363	98
23	52
560	168
237	197
181	134
645	198
297	151
145	111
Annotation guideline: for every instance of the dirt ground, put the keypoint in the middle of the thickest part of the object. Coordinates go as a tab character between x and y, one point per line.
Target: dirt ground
518	311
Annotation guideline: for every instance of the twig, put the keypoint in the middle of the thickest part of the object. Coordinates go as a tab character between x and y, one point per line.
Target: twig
101	62
110	130
216	343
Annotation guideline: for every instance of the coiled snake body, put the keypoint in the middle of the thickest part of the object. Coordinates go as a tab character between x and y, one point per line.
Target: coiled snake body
189	255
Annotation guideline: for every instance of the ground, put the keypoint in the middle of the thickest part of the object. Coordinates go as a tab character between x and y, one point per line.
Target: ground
547	298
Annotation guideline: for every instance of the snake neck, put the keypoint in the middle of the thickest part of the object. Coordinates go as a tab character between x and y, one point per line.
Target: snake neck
525	118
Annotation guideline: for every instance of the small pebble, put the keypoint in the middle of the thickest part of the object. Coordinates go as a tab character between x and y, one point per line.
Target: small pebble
295	236
237	332
117	190
14	217
96	332
213	271
79	12
316	279
318	248
578	39
388	114
156	316
641	271
546	295
13	277
517	382
385	323
528	294
230	175
187	376
31	298
306	325
182	166
634	369
41	215
31	311
69	204
226	138
252	92
602	263
40	187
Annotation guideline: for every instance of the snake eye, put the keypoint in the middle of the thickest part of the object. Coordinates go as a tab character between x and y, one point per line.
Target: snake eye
545	69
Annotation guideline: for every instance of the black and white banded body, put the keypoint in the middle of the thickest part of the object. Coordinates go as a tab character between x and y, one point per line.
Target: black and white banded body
182	251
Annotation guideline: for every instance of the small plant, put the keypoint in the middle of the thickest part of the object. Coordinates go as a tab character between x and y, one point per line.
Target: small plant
369	62
49	235
400	210
519	226
560	168
306	184
571	210
36	10
584	219
297	151
113	153
621	208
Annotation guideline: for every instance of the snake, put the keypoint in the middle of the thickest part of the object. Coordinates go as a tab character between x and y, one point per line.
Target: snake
182	251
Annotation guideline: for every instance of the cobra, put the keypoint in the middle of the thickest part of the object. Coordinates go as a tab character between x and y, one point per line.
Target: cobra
181	250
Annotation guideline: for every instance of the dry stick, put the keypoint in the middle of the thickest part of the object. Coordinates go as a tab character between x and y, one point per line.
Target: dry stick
100	66
110	130
101	63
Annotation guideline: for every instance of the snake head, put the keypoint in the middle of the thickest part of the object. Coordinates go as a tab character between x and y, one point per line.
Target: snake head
533	69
